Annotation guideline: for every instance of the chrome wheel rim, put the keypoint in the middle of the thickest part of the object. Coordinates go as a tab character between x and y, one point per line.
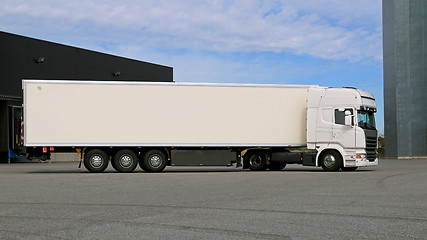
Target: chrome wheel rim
96	161
155	160
125	160
255	160
329	160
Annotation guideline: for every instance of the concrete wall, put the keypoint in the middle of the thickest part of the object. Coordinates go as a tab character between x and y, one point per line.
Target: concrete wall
405	77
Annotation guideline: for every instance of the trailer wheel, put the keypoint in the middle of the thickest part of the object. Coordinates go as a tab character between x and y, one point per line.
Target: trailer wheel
349	169
276	166
96	160
125	160
257	161
154	161
331	161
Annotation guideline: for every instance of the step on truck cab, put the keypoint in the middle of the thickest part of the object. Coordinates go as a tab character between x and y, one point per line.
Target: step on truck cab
258	126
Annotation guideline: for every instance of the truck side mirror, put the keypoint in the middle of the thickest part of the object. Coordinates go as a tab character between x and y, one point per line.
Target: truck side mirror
348	118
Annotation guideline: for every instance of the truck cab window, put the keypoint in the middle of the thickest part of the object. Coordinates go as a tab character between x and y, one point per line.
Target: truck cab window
366	119
340	115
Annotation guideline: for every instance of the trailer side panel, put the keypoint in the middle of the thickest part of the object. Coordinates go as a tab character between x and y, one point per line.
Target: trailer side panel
71	113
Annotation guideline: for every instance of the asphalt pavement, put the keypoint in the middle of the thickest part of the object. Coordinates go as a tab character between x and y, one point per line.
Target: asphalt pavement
60	201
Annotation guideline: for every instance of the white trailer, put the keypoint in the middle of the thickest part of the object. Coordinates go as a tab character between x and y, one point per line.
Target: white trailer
159	124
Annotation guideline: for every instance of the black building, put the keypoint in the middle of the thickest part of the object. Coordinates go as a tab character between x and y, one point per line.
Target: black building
28	58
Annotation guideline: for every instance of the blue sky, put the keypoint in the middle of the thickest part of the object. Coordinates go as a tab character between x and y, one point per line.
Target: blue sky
317	42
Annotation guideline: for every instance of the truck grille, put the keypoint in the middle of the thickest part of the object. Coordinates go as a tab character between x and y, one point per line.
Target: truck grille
371	144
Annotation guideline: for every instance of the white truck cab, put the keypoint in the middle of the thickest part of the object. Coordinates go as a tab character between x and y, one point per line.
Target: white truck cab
341	121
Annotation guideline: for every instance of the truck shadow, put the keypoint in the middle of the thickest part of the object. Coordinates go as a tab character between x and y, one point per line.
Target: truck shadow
184	171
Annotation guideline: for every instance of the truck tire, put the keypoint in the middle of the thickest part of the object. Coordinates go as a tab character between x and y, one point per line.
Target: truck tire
141	163
276	166
257	161
96	160
349	169
154	161
331	161
125	160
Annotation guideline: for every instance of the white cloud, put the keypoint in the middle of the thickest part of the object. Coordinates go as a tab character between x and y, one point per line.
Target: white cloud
250	41
330	29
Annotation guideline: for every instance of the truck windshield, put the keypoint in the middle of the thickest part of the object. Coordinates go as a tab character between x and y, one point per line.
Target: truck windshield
366	119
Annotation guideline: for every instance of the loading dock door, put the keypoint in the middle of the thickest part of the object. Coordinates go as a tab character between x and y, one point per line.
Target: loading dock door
15	114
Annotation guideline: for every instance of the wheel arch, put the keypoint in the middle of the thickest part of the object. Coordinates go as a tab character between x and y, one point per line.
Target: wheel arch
322	151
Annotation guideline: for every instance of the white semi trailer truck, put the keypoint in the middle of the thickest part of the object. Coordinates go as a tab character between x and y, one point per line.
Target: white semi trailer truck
184	124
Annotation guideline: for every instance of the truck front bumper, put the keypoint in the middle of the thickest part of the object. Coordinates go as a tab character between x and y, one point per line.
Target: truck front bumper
358	160
365	162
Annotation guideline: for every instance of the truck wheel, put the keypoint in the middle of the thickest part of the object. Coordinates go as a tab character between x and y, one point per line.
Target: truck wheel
154	161
276	166
349	169
331	161
257	161
125	161
96	160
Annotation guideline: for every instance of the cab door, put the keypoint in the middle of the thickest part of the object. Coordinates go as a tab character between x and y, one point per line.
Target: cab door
342	134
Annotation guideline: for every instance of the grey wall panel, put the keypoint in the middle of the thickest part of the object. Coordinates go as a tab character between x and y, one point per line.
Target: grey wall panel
405	83
389	44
